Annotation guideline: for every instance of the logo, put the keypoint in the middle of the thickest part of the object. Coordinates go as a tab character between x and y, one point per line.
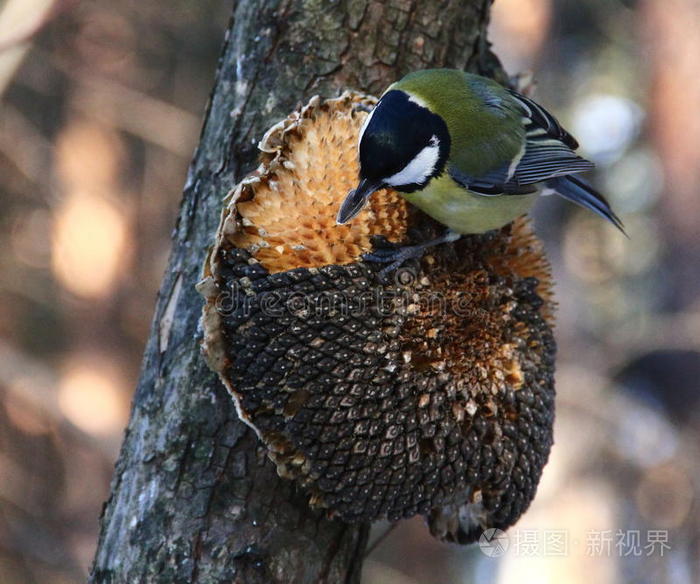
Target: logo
494	542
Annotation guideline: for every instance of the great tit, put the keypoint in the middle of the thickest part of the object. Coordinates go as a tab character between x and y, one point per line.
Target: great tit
469	152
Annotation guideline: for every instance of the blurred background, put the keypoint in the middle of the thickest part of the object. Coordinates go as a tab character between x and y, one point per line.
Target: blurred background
100	109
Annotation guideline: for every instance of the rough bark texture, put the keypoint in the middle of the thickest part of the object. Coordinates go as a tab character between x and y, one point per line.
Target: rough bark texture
194	497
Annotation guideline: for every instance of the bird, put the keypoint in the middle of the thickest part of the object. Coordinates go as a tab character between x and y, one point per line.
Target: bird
467	151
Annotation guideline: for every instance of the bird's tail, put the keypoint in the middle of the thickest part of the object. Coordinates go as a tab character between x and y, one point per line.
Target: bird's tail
581	193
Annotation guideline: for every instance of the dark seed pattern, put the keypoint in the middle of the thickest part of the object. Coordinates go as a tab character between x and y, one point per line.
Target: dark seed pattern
391	400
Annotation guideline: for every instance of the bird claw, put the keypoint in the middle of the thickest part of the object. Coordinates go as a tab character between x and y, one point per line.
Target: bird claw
394	257
383	256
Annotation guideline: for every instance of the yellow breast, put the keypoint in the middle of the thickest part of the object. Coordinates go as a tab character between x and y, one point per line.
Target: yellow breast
466	212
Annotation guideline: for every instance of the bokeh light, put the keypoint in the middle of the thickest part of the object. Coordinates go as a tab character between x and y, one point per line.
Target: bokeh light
91	395
89	245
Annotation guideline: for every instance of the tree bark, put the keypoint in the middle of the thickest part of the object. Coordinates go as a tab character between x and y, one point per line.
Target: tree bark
194	497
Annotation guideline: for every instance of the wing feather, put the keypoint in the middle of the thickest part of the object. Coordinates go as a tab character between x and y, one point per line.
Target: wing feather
548	153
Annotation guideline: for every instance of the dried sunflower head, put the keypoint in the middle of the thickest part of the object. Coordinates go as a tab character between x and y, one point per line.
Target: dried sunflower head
432	393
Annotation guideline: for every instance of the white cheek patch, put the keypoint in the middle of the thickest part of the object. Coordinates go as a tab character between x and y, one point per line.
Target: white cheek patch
420	168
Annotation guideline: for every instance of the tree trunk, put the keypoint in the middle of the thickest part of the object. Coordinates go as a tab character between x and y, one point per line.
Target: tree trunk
194	497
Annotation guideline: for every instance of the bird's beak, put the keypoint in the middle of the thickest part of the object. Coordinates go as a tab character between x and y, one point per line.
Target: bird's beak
355	200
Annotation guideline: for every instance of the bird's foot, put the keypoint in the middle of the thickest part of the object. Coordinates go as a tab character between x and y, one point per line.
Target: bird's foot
397	256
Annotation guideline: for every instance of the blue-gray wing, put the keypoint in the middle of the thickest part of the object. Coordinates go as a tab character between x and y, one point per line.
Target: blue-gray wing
548	152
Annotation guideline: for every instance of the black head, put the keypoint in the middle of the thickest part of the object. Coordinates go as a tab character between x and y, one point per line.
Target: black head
398	131
403	145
